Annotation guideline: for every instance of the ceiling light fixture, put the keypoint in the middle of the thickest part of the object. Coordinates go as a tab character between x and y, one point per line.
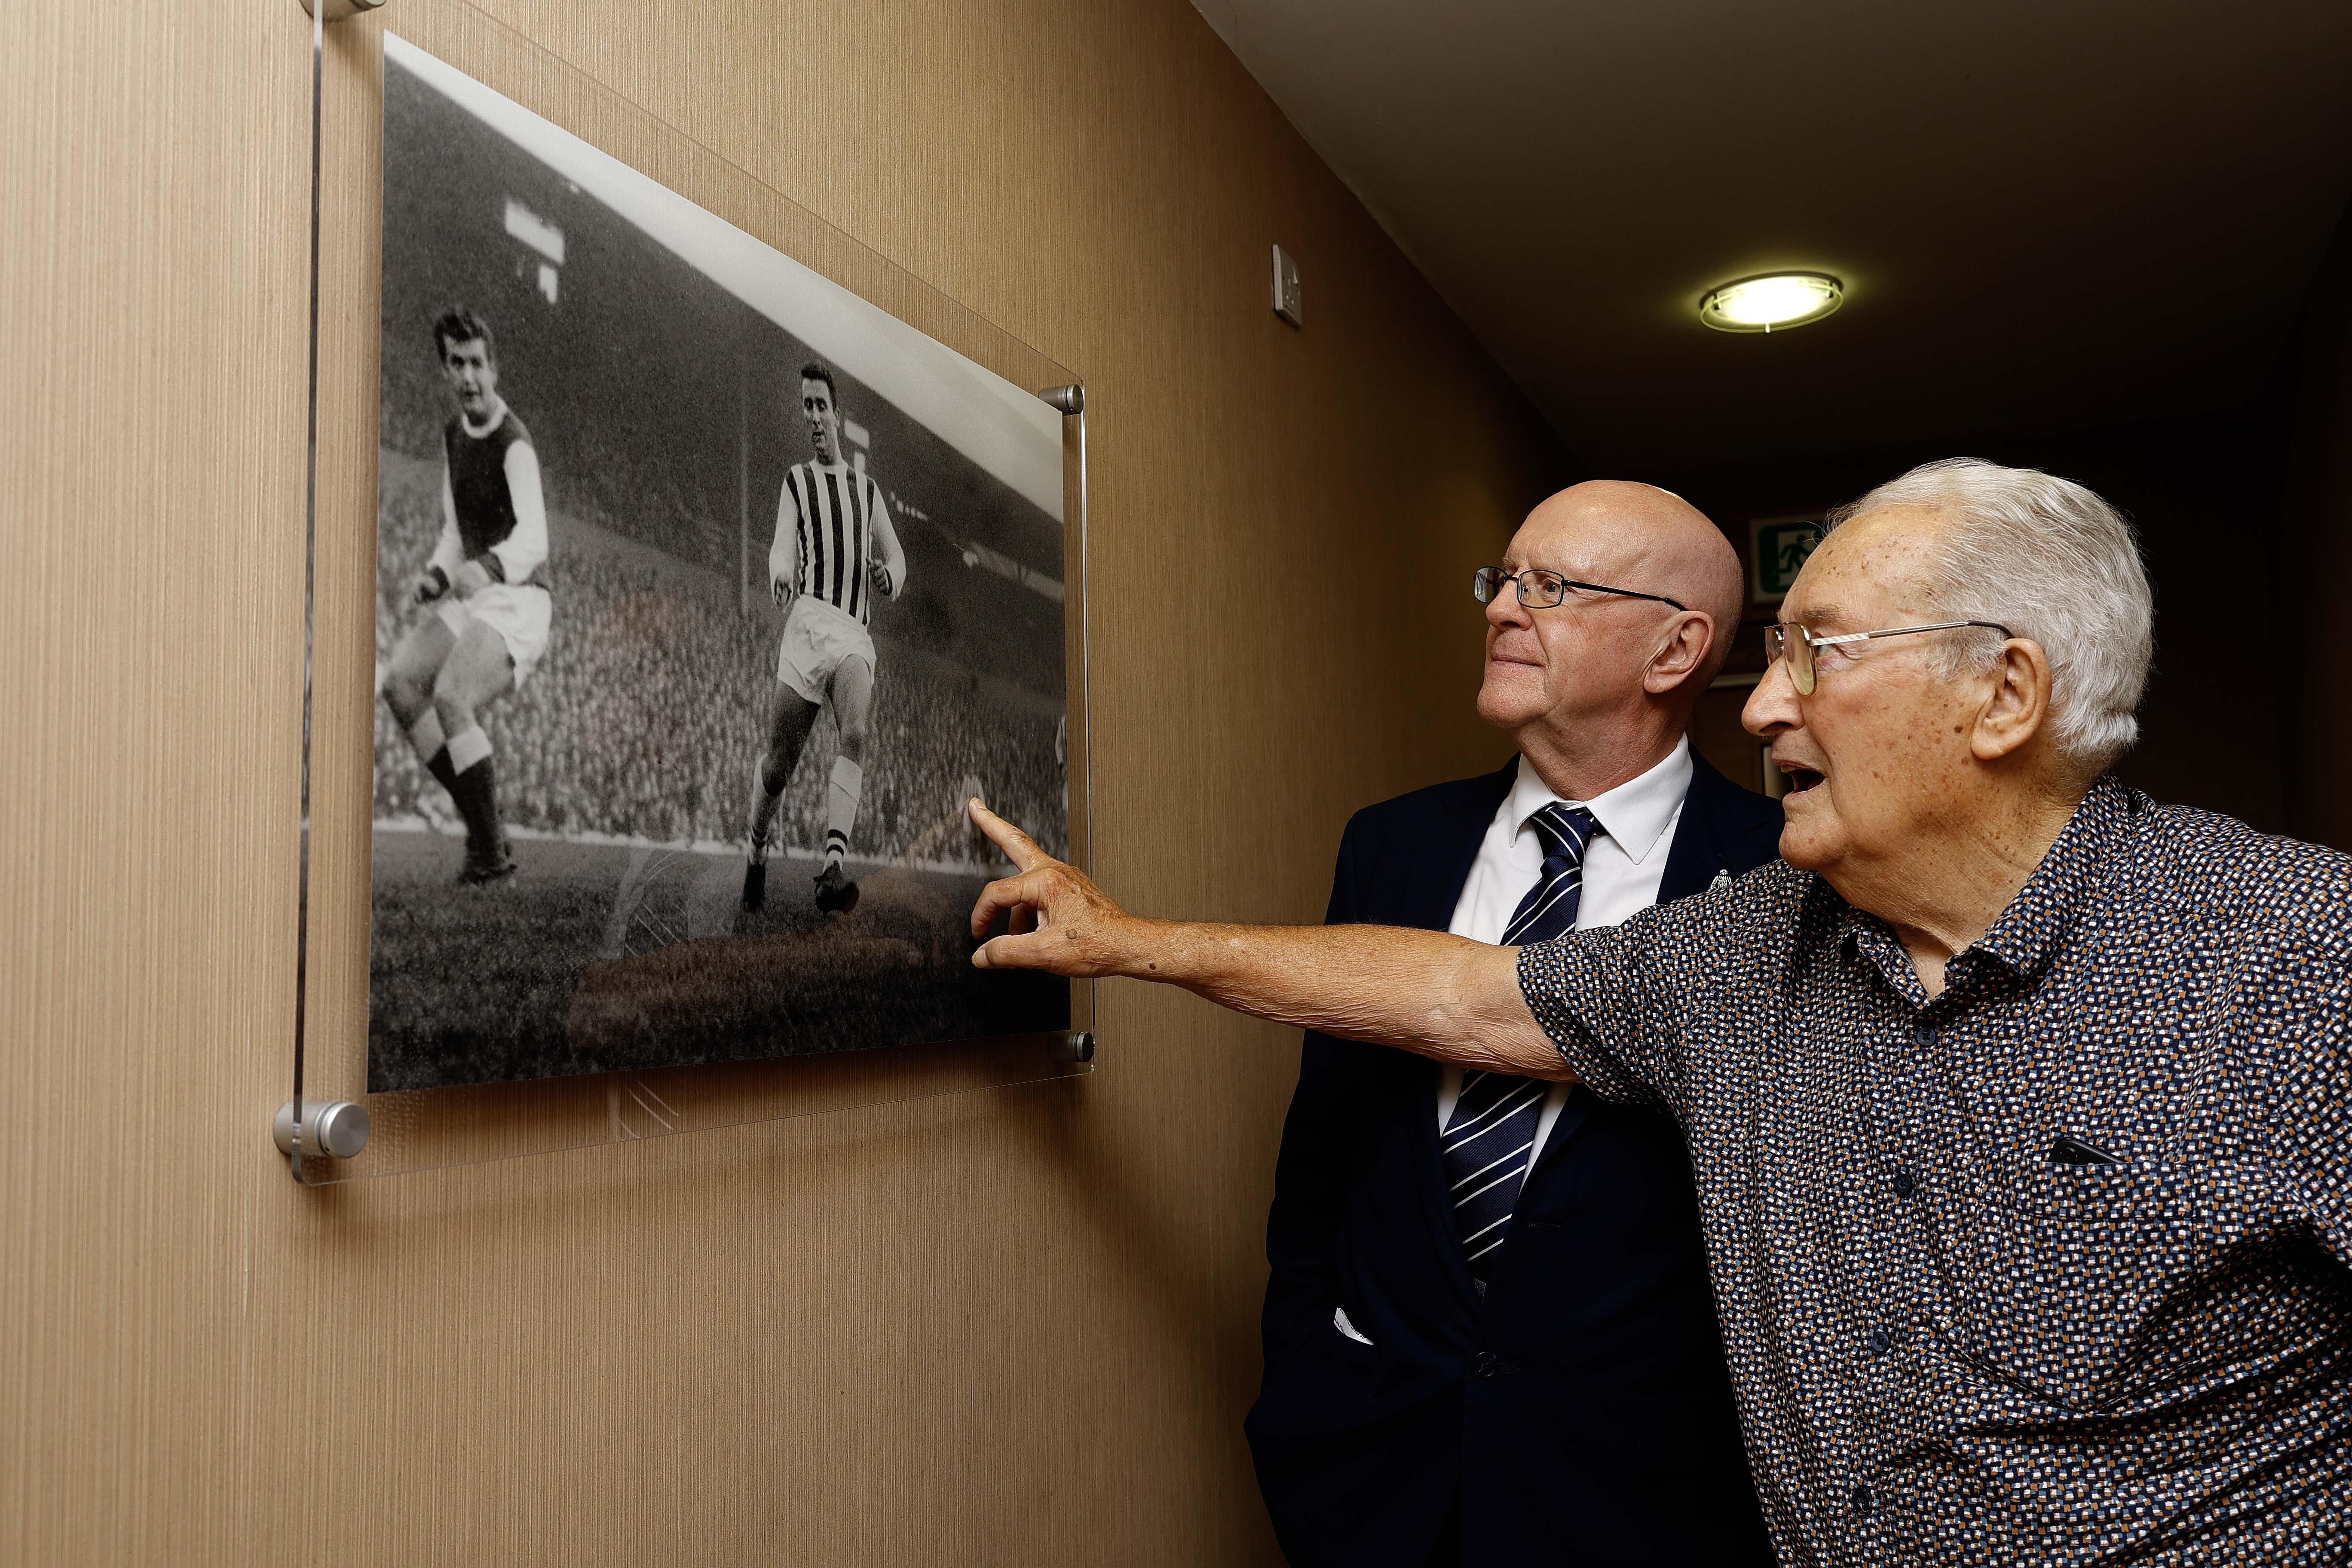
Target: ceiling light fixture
1773	300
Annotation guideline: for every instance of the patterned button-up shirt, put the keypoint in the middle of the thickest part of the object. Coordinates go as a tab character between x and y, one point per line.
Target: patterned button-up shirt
1959	1336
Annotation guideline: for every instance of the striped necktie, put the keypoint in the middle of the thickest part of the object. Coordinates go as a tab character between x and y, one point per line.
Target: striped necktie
1487	1140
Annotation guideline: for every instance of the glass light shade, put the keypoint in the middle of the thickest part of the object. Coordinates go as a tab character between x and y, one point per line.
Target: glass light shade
1774	300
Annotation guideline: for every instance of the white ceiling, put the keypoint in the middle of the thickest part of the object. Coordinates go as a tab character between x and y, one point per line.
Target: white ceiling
2047	213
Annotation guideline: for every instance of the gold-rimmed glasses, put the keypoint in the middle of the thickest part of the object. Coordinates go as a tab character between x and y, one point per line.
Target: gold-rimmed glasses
1798	645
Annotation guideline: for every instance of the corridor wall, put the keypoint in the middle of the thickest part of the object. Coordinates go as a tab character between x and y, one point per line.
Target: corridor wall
2312	594
1013	1327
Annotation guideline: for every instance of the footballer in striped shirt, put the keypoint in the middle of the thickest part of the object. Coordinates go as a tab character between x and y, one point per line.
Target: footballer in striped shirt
834	554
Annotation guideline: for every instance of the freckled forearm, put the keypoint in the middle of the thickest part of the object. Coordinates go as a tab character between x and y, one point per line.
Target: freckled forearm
1421	991
1442	996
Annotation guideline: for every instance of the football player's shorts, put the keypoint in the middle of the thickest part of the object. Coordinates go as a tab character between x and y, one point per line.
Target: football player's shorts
520	614
817	638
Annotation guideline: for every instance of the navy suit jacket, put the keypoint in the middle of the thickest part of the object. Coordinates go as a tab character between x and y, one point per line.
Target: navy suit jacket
1581	1412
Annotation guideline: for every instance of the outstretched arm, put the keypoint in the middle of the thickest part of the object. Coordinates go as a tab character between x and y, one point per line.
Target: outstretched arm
1442	996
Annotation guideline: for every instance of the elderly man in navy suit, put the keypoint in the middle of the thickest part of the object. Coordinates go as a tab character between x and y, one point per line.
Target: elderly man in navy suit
1489	1338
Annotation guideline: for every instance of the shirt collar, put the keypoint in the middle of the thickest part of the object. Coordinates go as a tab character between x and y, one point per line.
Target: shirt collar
2029	932
497	418
1635	815
2027	935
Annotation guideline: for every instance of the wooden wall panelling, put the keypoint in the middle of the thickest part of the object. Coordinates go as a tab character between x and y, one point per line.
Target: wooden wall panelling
1013	1326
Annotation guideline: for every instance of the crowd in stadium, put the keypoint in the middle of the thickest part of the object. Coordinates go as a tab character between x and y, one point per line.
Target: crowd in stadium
615	484
642	717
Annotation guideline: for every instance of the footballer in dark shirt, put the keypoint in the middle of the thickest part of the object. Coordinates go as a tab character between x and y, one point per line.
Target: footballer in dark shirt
488	625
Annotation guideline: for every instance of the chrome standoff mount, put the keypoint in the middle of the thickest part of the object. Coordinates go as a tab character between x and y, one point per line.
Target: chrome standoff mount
335	1128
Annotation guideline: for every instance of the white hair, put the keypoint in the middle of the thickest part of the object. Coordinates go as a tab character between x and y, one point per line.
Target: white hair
2053	562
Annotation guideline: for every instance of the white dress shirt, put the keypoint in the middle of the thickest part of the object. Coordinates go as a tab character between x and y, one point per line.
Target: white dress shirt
1622	867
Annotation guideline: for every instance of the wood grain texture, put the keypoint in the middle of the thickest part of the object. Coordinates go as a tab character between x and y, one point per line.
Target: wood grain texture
1010	1327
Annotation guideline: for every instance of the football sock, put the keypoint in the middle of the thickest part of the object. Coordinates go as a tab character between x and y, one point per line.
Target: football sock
476	791
841	807
425	736
469	746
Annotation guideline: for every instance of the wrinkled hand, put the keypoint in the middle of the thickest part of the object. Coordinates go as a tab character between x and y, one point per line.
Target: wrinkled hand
1062	922
427	586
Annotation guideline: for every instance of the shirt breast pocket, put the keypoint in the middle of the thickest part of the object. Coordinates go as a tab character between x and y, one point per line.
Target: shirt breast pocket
2074	1271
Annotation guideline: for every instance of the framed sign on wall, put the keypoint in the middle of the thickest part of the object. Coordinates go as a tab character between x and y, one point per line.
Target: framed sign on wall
1778	548
704	592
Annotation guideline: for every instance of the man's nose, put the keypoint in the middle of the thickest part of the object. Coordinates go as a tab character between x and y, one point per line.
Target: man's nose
1772	705
1504	609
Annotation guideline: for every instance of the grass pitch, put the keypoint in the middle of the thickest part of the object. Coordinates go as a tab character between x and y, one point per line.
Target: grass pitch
609	958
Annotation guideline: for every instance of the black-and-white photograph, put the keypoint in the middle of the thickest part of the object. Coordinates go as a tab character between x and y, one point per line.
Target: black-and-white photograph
707	592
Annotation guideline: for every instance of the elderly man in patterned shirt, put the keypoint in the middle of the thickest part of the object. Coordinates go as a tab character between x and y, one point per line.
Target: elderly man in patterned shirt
2020	1106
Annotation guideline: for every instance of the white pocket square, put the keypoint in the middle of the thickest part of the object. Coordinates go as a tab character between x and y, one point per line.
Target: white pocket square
1340	1322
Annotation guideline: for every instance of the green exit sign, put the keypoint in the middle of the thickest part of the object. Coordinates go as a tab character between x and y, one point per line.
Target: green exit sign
1776	549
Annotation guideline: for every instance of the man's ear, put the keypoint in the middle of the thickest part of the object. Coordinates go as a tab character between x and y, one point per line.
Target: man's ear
2017	700
1681	654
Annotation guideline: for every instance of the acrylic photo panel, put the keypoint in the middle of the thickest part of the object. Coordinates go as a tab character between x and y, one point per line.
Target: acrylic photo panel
632	553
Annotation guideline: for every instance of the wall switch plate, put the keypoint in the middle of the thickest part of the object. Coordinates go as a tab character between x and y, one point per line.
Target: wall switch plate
1286	286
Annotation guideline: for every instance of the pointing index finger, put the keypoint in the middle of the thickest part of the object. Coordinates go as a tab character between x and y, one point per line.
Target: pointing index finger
1018	846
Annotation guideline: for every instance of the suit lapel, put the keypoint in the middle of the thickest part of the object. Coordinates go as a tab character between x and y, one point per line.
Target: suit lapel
1448	847
1692	859
1574	1112
1715	835
1698	853
1441	867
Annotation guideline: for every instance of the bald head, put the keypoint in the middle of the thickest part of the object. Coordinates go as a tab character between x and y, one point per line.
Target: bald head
1600	688
1628	535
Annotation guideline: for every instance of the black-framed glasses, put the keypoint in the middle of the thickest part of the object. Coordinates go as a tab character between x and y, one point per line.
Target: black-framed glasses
1799	649
1541	590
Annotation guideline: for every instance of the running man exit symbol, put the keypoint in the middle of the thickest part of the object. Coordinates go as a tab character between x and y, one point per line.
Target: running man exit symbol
1778	547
